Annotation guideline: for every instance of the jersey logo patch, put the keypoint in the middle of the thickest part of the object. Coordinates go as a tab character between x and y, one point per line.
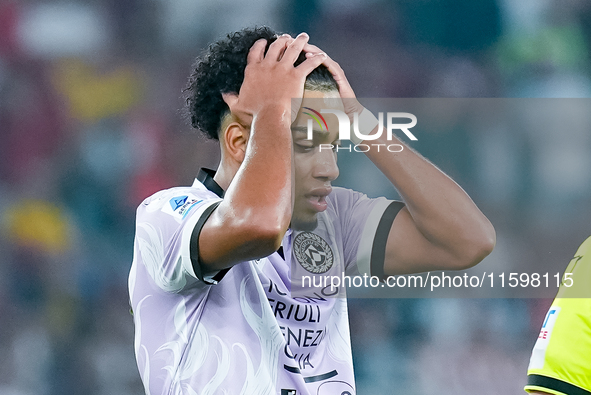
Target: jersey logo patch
180	206
538	355
177	202
313	253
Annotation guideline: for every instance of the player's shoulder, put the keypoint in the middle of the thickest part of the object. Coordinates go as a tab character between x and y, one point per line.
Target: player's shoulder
584	250
580	265
177	200
344	196
559	360
343	199
577	276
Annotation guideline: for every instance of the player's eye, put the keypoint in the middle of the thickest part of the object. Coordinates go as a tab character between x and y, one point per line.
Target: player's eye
304	147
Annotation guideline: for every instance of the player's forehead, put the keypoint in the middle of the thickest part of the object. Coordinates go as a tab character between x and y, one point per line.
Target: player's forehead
319	100
313	103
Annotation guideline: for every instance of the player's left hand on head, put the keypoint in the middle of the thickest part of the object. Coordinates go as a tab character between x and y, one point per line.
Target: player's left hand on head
345	91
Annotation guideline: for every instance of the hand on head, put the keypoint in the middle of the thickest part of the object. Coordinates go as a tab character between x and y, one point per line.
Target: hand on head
345	90
271	79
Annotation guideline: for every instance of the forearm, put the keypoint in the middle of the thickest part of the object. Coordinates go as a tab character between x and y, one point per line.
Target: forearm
262	189
441	226
440	209
256	167
256	210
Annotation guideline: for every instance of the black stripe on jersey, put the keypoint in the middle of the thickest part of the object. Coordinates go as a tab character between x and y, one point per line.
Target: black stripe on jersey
194	245
291	369
280	252
378	249
205	176
555	384
311	379
320	377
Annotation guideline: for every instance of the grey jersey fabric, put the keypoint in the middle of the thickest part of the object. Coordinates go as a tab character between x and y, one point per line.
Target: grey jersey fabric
247	332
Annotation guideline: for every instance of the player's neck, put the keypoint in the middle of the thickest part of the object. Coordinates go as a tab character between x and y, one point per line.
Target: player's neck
224	175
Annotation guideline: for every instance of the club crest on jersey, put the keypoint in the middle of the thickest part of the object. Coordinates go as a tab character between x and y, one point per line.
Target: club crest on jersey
313	253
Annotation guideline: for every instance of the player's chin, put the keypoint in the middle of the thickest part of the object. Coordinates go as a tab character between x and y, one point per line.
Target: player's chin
303	222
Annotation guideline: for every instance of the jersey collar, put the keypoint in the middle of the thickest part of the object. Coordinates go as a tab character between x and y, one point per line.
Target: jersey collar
206	178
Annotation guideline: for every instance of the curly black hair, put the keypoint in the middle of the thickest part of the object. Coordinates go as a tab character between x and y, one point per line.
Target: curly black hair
221	70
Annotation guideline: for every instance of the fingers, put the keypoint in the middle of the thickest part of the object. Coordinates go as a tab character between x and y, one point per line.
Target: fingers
295	48
311	49
277	47
330	64
335	69
257	51
312	62
284	48
338	74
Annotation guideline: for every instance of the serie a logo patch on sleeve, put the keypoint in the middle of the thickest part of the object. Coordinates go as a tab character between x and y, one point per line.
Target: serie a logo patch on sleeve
179	206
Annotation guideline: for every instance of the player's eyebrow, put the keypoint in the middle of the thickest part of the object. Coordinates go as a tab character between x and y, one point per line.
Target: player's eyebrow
317	133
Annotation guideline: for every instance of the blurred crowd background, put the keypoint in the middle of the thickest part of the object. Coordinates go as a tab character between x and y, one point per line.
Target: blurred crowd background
90	94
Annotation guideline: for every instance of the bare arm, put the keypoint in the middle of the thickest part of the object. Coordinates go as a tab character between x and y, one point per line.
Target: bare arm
440	227
253	217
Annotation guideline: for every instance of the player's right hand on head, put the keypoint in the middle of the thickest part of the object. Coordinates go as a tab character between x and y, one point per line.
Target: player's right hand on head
271	80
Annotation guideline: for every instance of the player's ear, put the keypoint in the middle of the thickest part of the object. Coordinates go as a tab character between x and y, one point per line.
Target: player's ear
235	141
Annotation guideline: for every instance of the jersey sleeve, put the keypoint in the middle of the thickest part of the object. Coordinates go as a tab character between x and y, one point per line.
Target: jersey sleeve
561	359
167	227
365	223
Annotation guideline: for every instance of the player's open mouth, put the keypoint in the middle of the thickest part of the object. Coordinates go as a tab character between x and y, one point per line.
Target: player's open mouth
317	198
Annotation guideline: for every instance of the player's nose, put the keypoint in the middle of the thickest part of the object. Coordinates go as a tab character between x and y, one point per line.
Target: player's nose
325	166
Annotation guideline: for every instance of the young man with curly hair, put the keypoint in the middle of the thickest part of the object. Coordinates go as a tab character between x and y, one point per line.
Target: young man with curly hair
212	282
